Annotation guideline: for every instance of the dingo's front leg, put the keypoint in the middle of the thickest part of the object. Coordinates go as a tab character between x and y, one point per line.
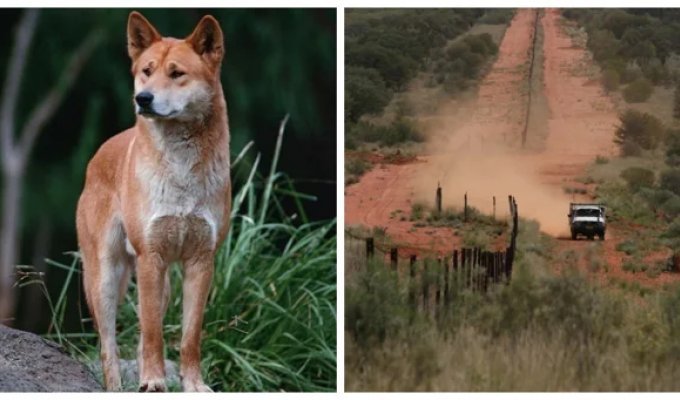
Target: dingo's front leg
151	273
197	277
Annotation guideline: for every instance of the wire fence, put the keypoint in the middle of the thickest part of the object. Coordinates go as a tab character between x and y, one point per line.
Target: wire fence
431	281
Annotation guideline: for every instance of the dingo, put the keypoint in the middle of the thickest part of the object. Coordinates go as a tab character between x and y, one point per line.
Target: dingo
156	193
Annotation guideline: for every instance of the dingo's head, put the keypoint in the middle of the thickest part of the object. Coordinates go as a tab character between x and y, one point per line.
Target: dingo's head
174	78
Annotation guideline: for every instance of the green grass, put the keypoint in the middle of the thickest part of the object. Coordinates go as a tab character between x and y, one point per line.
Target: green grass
270	322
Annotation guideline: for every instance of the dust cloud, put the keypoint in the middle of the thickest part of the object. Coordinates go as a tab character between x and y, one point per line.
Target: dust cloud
480	159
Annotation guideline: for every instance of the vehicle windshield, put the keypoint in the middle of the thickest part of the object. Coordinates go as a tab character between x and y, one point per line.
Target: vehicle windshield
587	212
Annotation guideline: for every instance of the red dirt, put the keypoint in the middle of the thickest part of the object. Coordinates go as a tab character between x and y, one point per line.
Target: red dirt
475	150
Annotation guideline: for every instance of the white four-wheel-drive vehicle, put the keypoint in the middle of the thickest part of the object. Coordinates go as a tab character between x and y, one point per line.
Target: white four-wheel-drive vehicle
587	219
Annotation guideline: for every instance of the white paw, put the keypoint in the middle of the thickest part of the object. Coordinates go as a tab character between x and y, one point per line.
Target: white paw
195	386
153	385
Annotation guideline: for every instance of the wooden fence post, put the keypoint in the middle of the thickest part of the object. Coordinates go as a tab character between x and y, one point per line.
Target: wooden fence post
438	198
465	208
446	281
456	274
370	247
438	289
394	258
494	208
412	275
426	289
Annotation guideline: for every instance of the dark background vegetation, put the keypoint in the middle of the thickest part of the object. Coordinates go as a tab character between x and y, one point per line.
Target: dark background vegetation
386	48
277	61
633	47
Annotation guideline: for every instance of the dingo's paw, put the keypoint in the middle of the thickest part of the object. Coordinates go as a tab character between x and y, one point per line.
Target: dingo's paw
153	385
195	386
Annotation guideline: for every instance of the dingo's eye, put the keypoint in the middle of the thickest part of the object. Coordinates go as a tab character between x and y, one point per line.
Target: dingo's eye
176	74
147	71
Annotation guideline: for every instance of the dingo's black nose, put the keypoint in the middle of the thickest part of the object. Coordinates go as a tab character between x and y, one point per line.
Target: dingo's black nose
144	99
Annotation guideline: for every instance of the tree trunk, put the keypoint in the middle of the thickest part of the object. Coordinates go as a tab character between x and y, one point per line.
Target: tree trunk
9	242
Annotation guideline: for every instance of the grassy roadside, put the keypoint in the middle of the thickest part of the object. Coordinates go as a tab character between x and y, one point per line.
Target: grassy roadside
542	332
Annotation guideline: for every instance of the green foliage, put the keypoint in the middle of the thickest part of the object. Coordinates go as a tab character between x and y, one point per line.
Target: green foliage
365	92
638	178
497	16
376	305
676	102
610	80
355	167
634	42
270	319
638	91
462	61
670	180
599	160
627	246
399	131
417	211
673	147
638	129
395	44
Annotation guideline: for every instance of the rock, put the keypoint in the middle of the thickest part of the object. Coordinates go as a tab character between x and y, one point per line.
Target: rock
129	374
29	363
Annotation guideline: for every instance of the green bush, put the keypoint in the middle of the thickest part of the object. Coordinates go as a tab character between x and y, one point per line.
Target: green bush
375	305
639	128
365	92
670	180
671	207
637	178
676	102
402	130
638	91
627	246
417	211
356	166
610	80
497	16
673	147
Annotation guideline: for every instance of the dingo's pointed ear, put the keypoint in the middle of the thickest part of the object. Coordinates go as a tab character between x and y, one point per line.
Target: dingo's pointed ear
141	34
207	40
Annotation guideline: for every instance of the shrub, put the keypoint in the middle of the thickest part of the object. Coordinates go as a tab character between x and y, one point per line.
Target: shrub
670	180
634	265
630	74
639	128
671	207
417	211
599	160
673	147
375	305
401	130
656	72
365	92
627	246
356	166
638	91
676	102
610	80
637	178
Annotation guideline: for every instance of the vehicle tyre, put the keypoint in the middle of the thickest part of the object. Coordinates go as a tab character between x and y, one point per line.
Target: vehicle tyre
573	235
601	235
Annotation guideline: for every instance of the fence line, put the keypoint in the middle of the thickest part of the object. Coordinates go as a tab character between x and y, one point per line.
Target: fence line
432	281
